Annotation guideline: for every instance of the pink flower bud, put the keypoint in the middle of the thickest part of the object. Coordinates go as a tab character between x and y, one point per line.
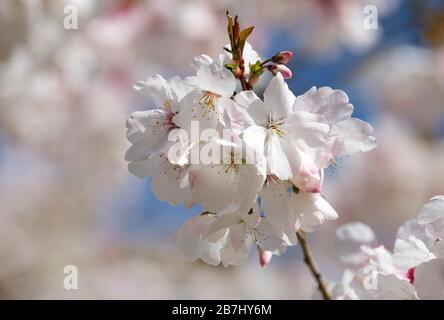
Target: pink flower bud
264	257
284	70
282	57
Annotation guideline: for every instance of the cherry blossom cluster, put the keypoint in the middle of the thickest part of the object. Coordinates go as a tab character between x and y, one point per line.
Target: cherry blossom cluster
267	155
415	268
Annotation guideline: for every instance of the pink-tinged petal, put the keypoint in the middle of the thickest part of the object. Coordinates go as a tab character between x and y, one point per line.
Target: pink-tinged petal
281	69
285	71
309	177
264	257
308	182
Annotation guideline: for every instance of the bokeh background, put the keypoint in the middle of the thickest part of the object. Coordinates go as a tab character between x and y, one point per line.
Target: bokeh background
66	197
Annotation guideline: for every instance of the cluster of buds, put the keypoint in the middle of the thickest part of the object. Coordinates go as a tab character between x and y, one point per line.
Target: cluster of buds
275	64
249	69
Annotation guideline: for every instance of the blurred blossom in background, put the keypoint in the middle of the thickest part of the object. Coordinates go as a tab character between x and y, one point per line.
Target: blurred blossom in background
67	198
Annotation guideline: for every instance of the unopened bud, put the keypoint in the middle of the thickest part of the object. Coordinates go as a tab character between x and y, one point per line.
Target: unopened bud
284	70
282	57
264	257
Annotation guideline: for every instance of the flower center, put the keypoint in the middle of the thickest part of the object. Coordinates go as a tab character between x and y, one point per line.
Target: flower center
168	105
169	123
231	164
208	99
275	126
167	114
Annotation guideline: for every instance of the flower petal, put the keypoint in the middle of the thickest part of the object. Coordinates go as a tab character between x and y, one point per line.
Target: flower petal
278	98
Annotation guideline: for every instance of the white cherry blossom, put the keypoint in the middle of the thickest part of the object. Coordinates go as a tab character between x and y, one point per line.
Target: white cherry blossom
256	166
169	182
190	240
350	287
346	135
349	239
245	230
232	181
286	206
415	268
213	85
284	137
229	238
149	129
432	217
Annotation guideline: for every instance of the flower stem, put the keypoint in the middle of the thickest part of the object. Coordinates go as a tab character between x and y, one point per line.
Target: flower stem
312	266
265	61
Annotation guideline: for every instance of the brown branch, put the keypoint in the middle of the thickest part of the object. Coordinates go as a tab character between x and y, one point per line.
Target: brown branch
311	264
245	85
244	82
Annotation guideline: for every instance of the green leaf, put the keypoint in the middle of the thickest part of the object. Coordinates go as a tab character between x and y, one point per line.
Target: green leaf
231	66
257	68
245	33
243	37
